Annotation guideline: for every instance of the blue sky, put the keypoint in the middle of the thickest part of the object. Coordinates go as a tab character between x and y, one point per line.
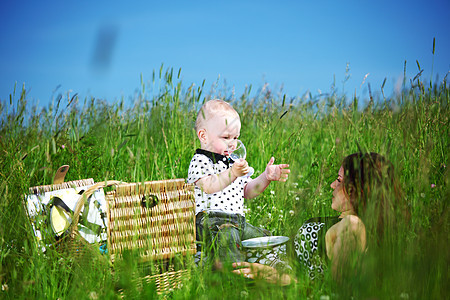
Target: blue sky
300	45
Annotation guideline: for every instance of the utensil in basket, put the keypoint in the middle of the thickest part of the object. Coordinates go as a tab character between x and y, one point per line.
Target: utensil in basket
74	243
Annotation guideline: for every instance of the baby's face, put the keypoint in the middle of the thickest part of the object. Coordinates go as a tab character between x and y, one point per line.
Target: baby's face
222	133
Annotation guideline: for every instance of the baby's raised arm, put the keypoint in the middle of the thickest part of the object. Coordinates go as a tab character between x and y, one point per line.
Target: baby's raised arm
214	183
272	173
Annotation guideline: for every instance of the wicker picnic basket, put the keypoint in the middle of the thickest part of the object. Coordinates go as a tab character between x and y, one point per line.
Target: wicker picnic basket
155	220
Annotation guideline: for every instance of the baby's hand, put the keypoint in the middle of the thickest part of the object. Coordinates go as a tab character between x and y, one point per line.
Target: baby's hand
277	172
240	168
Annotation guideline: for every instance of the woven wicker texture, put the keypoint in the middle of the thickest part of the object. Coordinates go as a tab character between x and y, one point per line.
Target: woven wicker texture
164	282
155	218
169	280
65	185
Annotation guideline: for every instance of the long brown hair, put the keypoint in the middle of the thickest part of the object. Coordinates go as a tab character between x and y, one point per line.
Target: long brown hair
375	194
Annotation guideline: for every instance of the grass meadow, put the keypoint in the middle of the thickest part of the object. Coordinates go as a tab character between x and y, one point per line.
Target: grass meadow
151	137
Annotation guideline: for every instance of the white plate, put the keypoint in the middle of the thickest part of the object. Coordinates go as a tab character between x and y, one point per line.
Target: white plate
265	241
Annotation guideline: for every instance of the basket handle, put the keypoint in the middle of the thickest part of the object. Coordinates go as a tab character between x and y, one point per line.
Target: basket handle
84	197
60	174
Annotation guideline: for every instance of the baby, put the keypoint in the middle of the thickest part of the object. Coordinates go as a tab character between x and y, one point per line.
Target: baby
221	184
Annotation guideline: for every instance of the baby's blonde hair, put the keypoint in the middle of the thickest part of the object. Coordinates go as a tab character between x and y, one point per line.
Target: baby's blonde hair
211	109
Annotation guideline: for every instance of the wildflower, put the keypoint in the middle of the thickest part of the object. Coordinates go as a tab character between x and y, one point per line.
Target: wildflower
63	146
93	295
272	192
4	287
433	185
297	198
404	296
244	294
422	195
296	183
258	207
269	215
291	212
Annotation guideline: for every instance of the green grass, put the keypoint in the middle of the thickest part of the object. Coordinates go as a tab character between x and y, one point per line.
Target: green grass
153	138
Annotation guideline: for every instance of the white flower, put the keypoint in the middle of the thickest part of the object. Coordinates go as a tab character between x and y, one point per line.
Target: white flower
291	212
272	192
404	296
297	198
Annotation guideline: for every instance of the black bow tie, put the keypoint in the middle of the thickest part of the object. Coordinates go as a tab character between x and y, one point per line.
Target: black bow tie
215	157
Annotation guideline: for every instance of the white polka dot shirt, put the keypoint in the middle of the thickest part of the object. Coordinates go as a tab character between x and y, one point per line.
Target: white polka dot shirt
230	199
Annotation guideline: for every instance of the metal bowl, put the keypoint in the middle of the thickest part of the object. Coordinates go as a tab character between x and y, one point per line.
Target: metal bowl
265	242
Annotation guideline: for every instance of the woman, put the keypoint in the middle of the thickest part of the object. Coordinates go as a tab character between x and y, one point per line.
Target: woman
367	196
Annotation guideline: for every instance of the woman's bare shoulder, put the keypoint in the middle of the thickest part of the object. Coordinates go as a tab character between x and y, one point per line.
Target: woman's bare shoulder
352	221
349	224
353	226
